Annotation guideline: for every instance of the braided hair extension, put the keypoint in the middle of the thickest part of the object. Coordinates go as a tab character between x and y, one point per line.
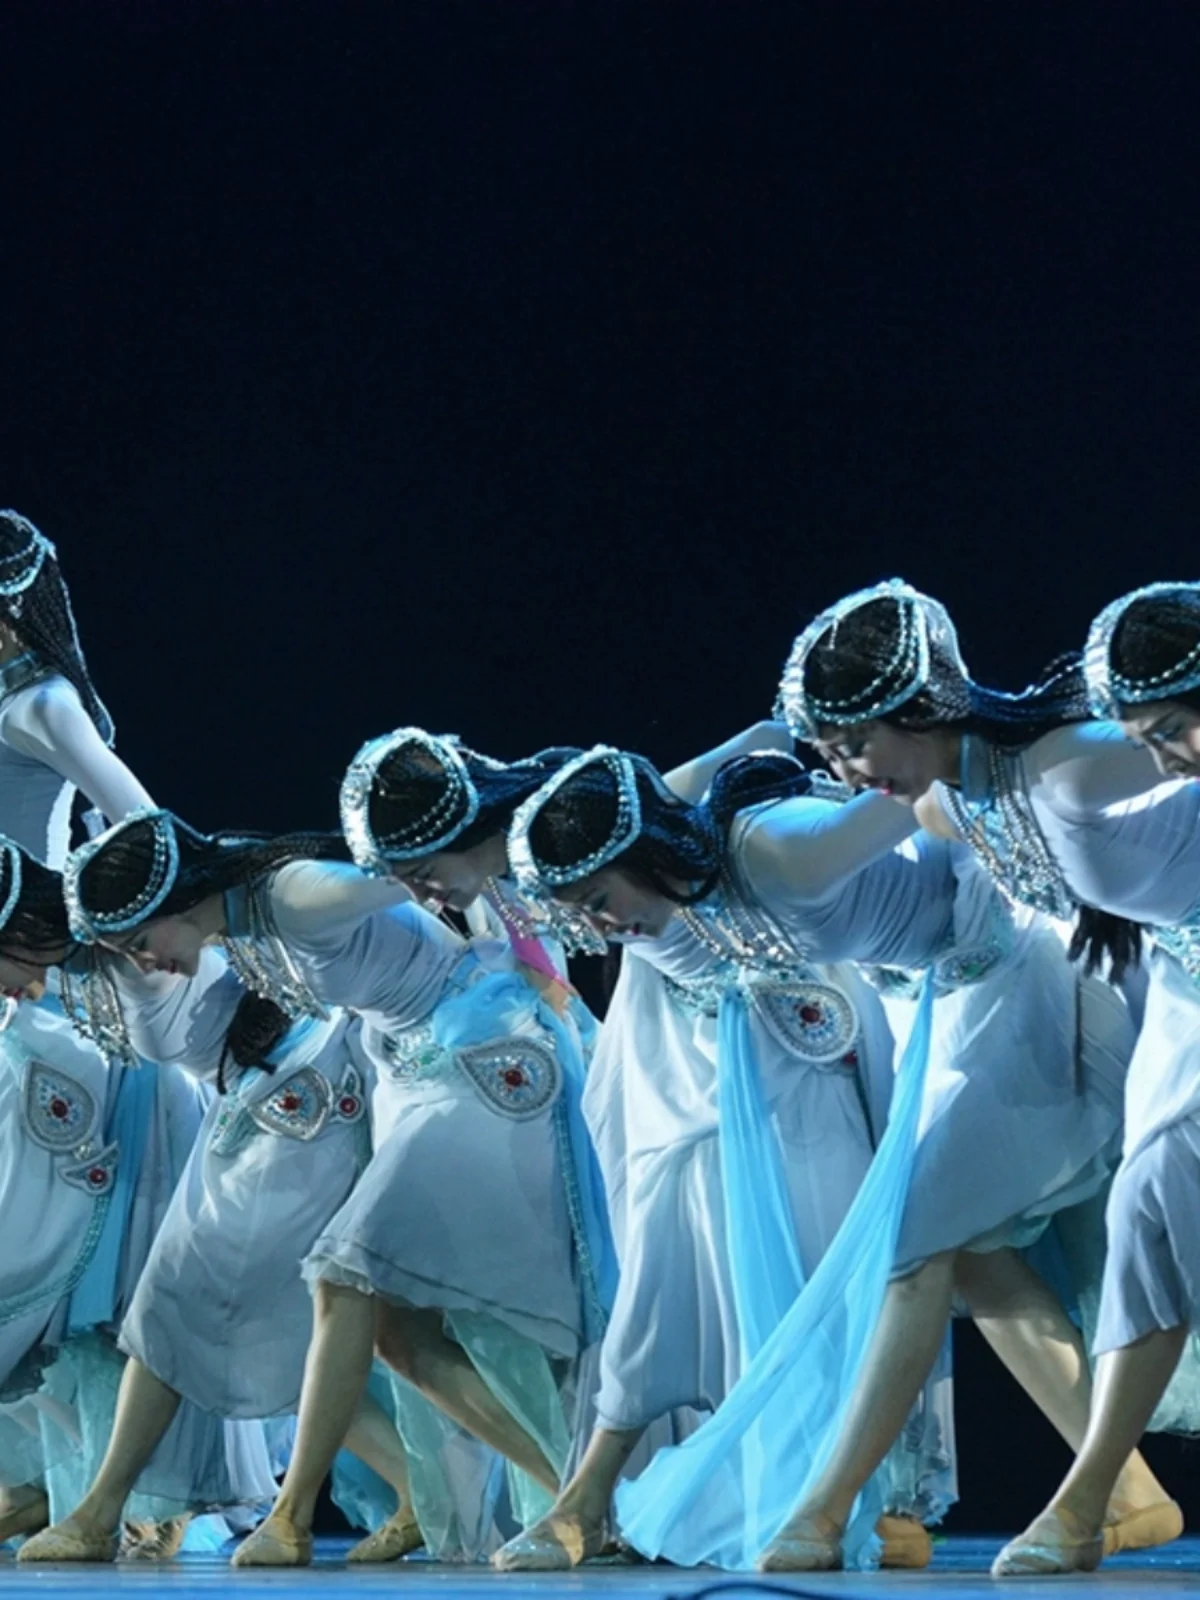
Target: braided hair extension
678	840
37	927
255	1029
42	619
845	662
410	783
209	864
1155	635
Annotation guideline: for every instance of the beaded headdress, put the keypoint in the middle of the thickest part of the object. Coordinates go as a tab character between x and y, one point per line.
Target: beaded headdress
1109	690
91	926
534	878
450	815
925	638
19	570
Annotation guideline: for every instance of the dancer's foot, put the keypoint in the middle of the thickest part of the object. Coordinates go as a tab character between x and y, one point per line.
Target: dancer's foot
808	1543
558	1542
398	1536
1057	1541
1140	1528
275	1543
906	1544
24	1515
153	1541
70	1540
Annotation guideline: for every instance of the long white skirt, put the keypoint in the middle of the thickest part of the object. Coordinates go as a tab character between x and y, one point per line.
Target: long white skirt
222	1313
1022	1114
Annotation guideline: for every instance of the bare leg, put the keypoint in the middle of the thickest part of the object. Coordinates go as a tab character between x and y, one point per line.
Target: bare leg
145	1409
23	1509
413	1342
1129	1384
1039	1344
911	1326
335	1376
373	1439
575	1526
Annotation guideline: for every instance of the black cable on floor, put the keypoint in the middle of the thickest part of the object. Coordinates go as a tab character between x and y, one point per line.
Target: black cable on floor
759	1586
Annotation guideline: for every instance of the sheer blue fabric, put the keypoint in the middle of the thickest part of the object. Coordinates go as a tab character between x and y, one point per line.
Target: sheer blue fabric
93	1300
724	1494
499	1003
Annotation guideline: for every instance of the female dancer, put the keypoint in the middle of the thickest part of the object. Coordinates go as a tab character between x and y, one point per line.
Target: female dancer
724	1050
221	1314
1136	861
55	737
463	1219
1037	795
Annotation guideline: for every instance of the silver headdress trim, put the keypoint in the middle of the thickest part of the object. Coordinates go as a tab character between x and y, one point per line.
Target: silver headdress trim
12	854
91	926
19	570
1109	690
434	831
535	878
924	623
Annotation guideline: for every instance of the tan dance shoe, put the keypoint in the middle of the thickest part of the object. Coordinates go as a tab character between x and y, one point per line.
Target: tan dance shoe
556	1544
398	1536
906	1543
1142	1530
65	1542
806	1544
1054	1542
274	1543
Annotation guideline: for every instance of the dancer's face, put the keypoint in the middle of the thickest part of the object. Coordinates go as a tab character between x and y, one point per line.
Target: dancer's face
878	755
165	944
619	906
451	878
1171	732
22	975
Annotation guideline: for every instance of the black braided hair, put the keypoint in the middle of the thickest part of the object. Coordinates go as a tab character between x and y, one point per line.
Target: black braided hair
410	782
1102	939
846	660
37	926
256	1027
678	840
209	864
1154	635
42	619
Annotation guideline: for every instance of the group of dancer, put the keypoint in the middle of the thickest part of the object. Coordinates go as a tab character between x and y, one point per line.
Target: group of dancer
314	1159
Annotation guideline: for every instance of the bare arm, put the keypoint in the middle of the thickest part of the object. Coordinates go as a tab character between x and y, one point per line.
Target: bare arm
691	781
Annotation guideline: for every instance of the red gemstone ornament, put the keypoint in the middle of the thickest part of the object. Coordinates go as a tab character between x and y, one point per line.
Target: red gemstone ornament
514	1077
347	1105
59	1108
97	1177
810	1013
290	1102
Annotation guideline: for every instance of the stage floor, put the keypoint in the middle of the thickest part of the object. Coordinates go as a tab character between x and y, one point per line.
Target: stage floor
960	1570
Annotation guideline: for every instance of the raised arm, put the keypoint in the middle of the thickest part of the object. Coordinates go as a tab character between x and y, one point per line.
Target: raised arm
319	901
807	847
691	781
51	726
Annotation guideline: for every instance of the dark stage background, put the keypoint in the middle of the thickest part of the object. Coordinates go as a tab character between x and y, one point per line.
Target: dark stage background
535	369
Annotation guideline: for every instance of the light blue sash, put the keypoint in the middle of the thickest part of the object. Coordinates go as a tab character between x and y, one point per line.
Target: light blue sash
723	1495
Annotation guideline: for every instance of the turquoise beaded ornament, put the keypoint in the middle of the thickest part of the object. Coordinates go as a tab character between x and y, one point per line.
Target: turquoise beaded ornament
92	926
1109	690
925	637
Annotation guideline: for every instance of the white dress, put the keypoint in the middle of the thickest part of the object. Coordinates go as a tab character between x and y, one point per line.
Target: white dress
221	1313
89	1157
466	1205
1064	821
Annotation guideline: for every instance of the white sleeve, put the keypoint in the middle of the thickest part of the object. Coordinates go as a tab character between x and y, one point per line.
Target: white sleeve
177	1021
1081	769
807	847
317	902
50	725
692	780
